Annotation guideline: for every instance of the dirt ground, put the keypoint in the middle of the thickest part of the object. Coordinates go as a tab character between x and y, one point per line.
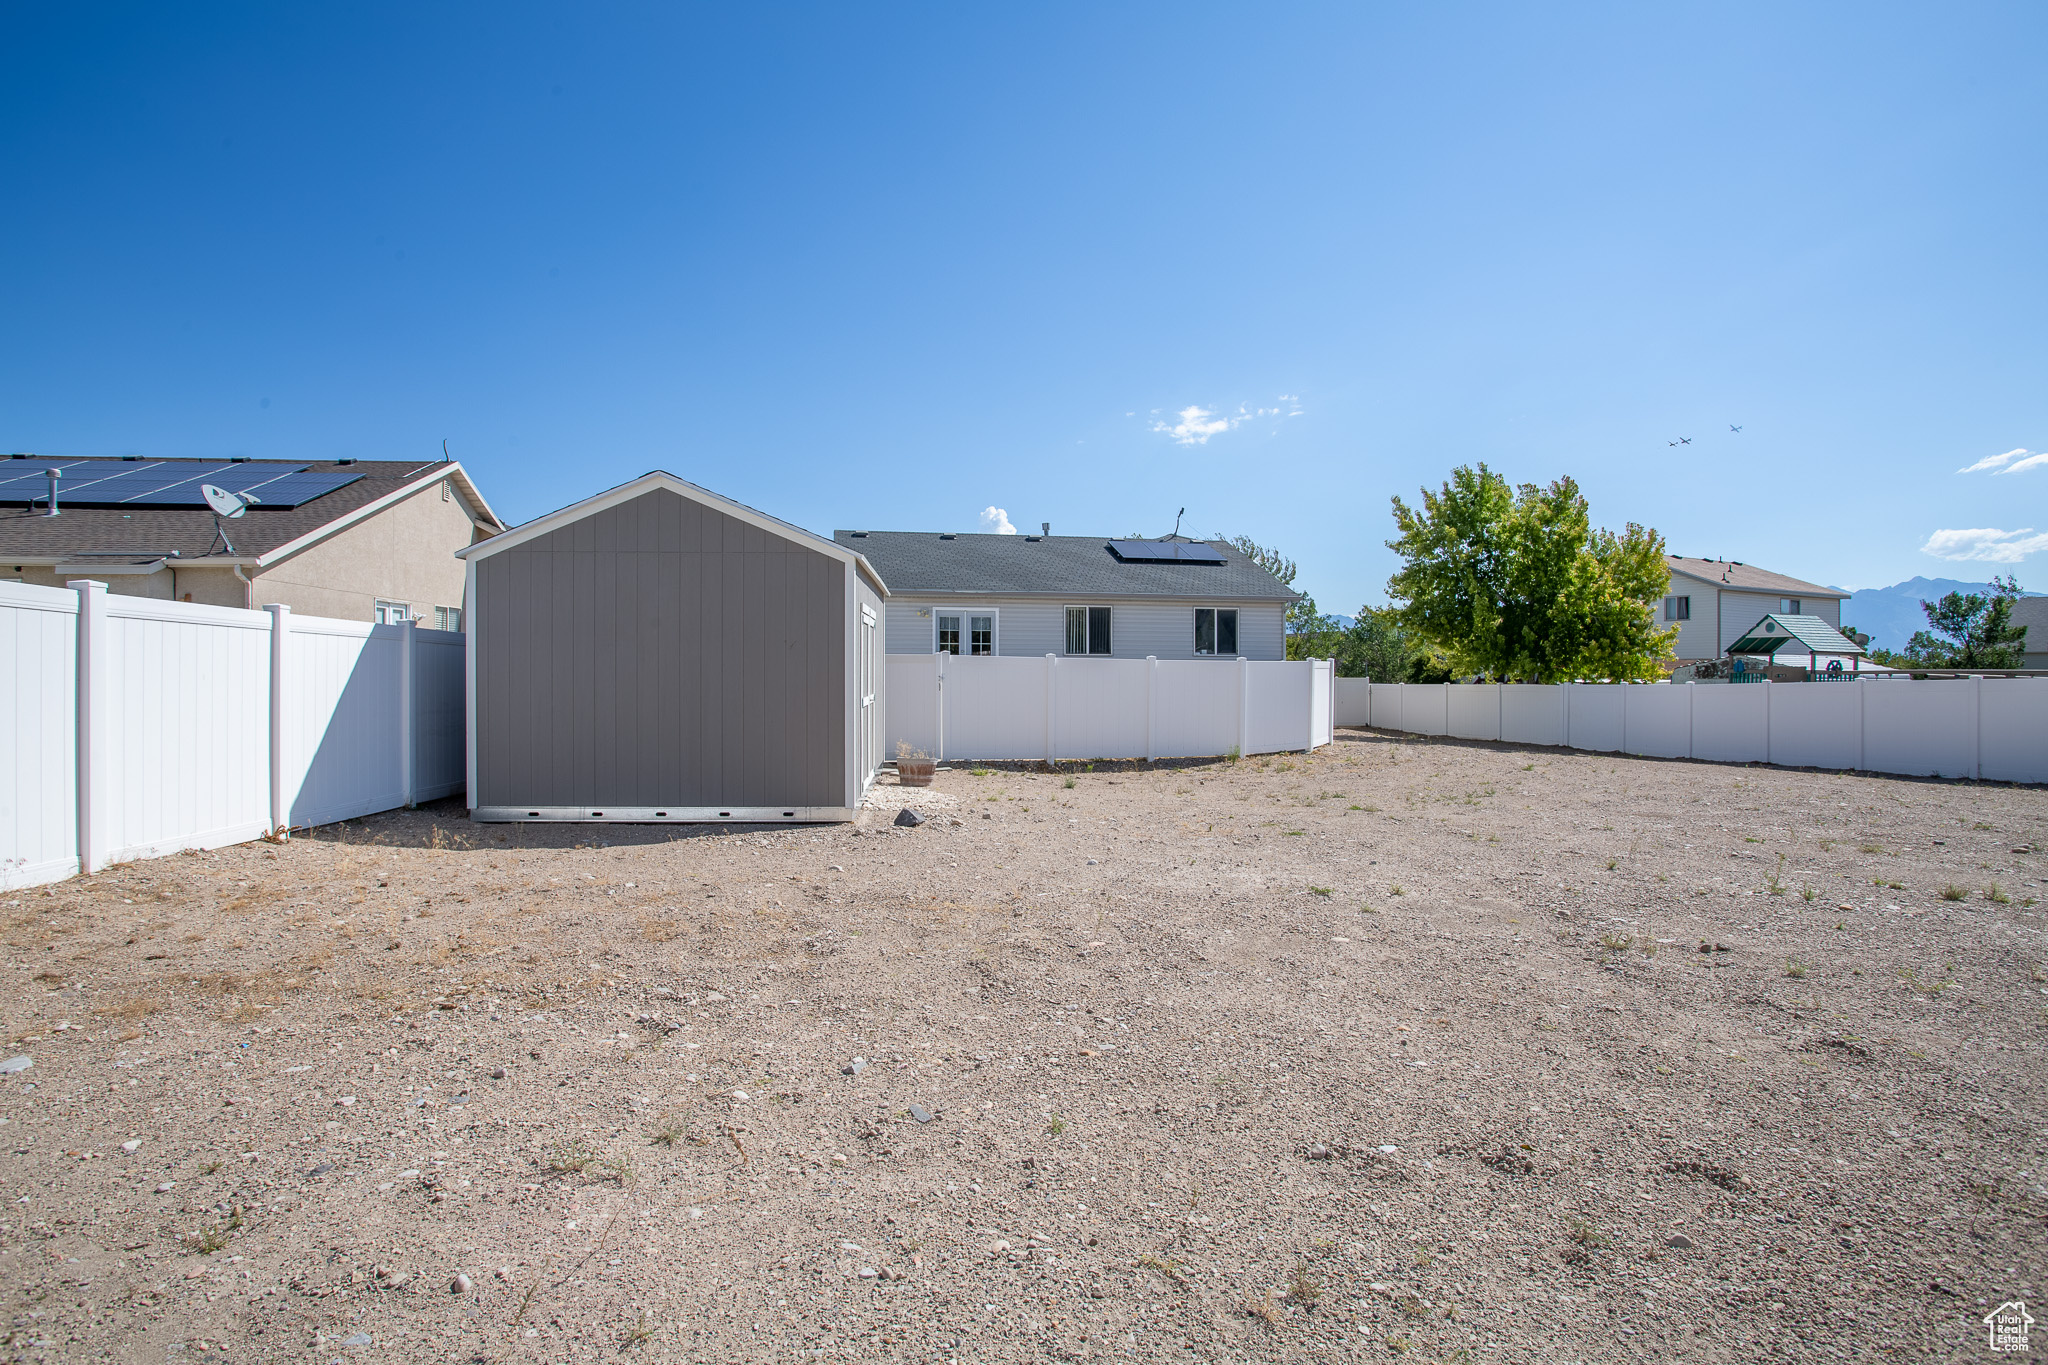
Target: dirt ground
1414	1050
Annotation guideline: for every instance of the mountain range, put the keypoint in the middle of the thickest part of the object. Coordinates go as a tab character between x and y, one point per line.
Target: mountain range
1891	615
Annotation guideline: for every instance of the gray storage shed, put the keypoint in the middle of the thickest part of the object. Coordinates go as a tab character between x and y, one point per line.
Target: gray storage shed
661	654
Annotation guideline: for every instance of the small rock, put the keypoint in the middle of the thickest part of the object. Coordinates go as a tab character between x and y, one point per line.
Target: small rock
920	1113
867	1272
910	819
1678	1241
461	1284
1000	1247
835	868
855	1067
739	1094
346	1100
13	1064
356	1339
322	1169
497	1073
167	1187
1318	1152
131	1146
504	1272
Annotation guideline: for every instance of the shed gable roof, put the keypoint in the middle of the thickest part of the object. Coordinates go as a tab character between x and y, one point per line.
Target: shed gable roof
663	480
1053	566
1775	630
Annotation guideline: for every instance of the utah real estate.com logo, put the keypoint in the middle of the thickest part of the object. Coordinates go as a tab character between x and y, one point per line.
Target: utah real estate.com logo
2008	1325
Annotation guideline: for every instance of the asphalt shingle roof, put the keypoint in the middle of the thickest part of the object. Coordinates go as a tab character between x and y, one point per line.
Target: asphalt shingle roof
1747	577
153	531
1065	566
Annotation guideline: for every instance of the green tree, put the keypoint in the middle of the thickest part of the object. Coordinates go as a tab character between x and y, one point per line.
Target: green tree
1515	584
1377	647
1311	634
1978	628
1271	560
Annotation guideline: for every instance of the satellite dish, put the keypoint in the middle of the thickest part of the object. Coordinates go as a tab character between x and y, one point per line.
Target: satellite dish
224	503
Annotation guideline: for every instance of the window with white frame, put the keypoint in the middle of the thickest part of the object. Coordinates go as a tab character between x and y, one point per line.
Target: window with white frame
1088	630
1216	631
1678	609
448	618
964	632
392	613
1789	606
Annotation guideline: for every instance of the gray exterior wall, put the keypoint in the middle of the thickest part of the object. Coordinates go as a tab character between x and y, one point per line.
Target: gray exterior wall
1036	626
661	653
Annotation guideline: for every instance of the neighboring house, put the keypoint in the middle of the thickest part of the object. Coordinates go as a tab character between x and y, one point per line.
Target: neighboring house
1713	601
363	540
2032	613
1027	595
658	653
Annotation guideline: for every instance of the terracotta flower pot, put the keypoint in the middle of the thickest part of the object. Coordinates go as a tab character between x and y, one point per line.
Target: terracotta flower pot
916	772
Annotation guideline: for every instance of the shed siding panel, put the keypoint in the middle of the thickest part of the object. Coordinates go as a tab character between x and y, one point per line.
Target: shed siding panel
659	653
1036	626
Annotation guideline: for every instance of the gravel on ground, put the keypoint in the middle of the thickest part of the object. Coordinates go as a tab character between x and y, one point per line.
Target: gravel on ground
1407	1049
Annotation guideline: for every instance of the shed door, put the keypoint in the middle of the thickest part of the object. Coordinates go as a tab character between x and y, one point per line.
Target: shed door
870	714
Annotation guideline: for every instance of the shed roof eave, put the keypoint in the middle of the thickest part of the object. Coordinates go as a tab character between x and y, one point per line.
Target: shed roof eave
648	482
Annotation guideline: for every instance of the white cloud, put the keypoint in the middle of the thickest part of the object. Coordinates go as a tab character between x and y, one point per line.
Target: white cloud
996	521
1994	461
1196	424
1985	543
2034	461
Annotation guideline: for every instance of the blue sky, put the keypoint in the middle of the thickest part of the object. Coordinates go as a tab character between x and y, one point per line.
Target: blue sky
887	267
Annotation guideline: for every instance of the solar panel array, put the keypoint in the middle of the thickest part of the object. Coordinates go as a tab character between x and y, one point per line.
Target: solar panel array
1166	551
166	483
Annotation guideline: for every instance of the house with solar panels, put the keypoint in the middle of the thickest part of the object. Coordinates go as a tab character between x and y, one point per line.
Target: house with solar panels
363	540
1077	596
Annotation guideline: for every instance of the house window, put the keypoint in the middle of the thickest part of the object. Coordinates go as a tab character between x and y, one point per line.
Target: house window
448	618
1088	630
392	613
1678	609
966	632
1789	606
1216	631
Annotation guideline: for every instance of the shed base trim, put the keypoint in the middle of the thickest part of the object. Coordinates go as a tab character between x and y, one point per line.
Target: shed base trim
663	815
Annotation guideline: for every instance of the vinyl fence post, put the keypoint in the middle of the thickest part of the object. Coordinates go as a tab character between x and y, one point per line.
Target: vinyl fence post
1151	706
1052	719
939	710
1977	726
1244	705
1500	711
1862	728
1767	718
1690	697
407	716
280	629
1564	707
1624	715
91	727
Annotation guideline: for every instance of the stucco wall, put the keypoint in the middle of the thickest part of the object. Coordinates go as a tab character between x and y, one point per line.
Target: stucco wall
210	587
406	553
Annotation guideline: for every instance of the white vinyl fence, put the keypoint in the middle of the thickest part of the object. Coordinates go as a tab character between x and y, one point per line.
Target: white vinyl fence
139	727
1994	729
997	707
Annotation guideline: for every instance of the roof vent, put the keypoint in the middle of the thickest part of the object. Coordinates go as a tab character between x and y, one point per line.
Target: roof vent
948	536
1033	540
1045	528
238	459
858	535
128	459
350	460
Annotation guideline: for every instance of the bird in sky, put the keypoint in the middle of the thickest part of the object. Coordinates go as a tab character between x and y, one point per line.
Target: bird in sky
1682	441
1737	430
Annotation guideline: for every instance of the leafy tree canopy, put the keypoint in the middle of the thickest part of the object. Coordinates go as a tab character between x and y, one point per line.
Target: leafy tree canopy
1515	584
1271	560
1971	630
